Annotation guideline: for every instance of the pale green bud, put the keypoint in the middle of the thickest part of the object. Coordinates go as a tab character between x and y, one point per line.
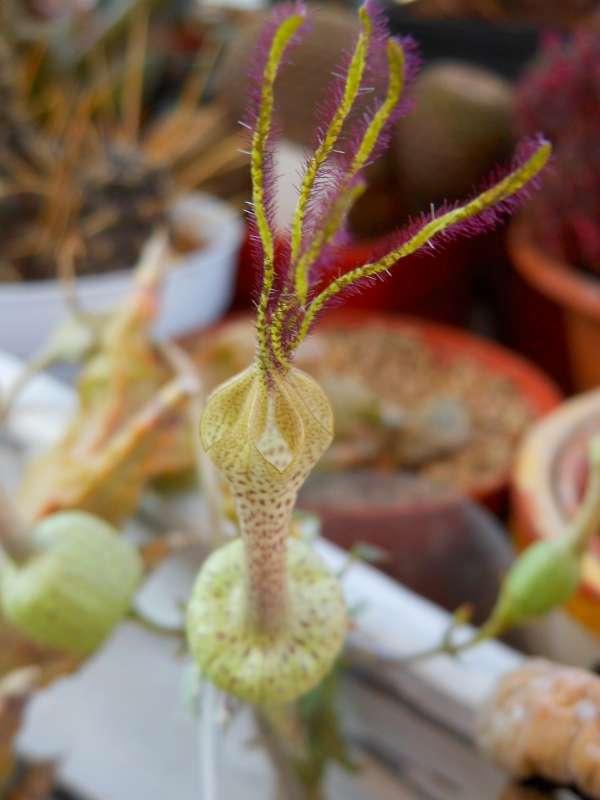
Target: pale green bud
545	576
72	594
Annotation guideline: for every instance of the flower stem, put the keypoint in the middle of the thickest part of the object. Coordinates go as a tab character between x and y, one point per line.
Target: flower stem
265	530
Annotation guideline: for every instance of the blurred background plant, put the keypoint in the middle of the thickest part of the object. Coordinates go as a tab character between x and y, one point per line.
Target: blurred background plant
560	94
92	160
532	11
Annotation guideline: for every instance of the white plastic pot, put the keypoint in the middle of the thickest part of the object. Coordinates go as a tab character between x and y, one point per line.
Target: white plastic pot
197	292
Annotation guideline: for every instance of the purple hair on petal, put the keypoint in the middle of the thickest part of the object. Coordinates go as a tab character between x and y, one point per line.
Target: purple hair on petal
334	93
487	220
256	71
332	179
412	63
332	99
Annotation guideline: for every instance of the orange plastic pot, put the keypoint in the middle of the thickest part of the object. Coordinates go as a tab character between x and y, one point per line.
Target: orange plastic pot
548	483
573	299
436	286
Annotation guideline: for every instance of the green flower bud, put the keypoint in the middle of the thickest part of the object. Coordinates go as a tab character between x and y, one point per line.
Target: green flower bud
545	576
73	593
257	666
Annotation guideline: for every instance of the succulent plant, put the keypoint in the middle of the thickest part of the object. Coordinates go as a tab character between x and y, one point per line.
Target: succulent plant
560	93
76	589
266	621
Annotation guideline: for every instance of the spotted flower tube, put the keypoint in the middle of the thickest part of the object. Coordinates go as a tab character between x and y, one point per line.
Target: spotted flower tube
266	619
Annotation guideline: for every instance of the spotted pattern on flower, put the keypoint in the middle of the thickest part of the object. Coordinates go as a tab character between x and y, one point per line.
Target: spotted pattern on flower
263	668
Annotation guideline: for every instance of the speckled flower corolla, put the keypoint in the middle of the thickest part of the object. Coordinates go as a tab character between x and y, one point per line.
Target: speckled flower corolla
267	619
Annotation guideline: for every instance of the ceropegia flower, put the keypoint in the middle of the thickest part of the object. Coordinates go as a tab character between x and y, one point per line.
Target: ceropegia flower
266	619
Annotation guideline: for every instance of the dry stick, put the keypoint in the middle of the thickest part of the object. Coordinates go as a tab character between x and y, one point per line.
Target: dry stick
58	109
33	367
57	215
134	75
67	277
183	131
225	154
32	66
103	83
22	174
206	474
99	221
166	133
196	84
14	540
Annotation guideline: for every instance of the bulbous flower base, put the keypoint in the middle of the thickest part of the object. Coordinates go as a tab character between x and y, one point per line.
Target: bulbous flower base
266	668
78	588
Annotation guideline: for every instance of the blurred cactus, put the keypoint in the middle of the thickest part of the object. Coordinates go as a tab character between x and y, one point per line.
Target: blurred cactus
561	94
459	129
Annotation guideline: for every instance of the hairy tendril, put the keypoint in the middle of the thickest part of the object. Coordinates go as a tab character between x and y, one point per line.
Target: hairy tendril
260	143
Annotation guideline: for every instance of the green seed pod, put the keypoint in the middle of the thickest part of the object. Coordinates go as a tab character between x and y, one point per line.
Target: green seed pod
544	577
77	589
256	666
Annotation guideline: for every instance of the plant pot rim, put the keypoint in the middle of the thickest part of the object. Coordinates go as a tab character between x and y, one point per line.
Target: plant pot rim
555	278
215	237
537	504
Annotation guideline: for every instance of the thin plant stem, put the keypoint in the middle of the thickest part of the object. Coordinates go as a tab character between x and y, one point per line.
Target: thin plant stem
40	362
157	628
288	786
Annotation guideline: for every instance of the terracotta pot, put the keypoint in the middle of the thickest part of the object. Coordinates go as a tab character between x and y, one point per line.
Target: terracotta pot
449	344
432	540
548	482
566	309
436	286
